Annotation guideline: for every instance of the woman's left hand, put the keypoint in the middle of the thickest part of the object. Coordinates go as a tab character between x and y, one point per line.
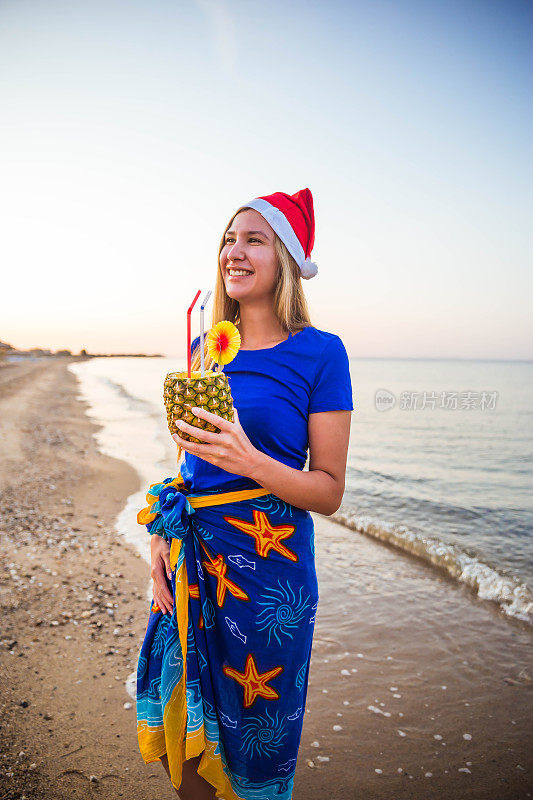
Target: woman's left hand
230	449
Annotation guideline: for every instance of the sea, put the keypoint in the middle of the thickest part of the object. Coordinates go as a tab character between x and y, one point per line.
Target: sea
439	464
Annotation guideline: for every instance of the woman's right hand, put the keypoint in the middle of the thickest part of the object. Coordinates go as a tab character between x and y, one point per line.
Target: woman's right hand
160	555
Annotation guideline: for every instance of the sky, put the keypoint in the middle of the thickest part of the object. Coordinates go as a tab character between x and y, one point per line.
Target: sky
131	132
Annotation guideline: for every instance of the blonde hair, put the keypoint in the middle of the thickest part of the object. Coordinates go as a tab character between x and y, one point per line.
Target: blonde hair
290	304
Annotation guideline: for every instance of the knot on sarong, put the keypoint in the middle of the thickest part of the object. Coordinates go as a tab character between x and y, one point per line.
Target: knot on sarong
168	511
175	511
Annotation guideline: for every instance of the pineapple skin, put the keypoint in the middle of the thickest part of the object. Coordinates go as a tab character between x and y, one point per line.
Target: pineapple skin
211	392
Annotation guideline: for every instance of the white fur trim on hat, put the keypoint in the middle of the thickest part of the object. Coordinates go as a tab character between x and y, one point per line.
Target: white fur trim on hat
281	225
308	269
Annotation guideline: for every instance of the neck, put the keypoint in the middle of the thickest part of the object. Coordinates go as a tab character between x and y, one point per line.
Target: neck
259	326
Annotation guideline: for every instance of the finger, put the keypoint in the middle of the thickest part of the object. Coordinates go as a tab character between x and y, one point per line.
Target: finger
160	572
163	607
220	422
166	559
168	600
183	443
202	450
157	605
163	599
205	436
166	572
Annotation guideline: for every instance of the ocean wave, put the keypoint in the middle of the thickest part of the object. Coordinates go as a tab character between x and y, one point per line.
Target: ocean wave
135	403
511	594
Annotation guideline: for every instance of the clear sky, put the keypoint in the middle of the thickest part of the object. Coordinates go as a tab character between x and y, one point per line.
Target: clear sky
131	131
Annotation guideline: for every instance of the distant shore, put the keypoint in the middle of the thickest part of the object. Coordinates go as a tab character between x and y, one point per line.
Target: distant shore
10	355
421	691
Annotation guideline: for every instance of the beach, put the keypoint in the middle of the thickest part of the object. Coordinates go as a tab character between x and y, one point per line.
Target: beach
418	688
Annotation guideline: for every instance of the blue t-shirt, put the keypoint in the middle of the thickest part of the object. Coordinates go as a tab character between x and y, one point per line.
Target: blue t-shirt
274	390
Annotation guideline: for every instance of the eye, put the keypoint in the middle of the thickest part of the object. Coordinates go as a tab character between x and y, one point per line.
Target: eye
230	239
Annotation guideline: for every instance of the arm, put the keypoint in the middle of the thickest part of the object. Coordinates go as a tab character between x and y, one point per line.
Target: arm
322	487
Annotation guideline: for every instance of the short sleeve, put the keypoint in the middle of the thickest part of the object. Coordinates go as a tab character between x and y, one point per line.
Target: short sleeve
332	389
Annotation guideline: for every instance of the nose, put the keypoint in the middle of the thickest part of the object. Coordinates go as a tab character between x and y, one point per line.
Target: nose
235	252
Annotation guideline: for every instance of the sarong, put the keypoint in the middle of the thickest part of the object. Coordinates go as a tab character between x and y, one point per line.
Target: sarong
226	673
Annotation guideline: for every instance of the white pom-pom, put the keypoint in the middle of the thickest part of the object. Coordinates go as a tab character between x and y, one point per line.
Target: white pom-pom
308	269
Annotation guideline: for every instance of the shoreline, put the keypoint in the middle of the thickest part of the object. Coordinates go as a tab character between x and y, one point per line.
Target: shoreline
72	599
458	669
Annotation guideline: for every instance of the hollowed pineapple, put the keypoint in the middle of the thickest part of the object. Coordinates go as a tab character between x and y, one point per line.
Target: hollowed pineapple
211	392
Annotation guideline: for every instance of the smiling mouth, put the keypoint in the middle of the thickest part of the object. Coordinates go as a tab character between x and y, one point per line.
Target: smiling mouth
238	272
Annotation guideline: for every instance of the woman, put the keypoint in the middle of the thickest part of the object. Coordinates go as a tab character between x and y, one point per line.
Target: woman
223	669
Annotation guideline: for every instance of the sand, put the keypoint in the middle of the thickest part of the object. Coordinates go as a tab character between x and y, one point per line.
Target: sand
422	691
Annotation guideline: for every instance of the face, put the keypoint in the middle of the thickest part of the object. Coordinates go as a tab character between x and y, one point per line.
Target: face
249	246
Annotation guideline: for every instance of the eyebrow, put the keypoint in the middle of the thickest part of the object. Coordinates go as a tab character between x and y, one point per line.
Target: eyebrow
232	233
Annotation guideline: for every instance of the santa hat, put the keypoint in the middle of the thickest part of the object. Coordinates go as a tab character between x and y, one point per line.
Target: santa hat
292	217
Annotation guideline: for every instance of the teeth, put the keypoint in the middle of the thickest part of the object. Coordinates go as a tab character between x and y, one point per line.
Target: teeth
239	272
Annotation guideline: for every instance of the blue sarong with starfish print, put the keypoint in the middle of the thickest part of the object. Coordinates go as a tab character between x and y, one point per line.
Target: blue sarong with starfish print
226	673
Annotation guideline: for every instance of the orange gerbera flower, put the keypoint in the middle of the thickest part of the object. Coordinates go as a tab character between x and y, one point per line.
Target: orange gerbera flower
223	342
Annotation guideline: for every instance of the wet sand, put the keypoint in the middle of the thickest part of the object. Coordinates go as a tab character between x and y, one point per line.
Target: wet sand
419	691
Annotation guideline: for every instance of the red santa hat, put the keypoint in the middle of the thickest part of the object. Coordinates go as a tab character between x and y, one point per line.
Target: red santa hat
292	217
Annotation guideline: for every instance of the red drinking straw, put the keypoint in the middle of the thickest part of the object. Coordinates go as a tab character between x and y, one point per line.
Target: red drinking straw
189	333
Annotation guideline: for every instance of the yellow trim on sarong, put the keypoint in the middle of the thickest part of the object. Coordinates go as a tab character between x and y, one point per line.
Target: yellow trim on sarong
175	712
172	736
226	497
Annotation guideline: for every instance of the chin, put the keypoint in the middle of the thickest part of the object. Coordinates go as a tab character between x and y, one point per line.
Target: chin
235	288
236	295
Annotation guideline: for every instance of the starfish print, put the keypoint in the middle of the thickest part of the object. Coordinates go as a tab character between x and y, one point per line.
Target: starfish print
218	567
267	537
253	682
